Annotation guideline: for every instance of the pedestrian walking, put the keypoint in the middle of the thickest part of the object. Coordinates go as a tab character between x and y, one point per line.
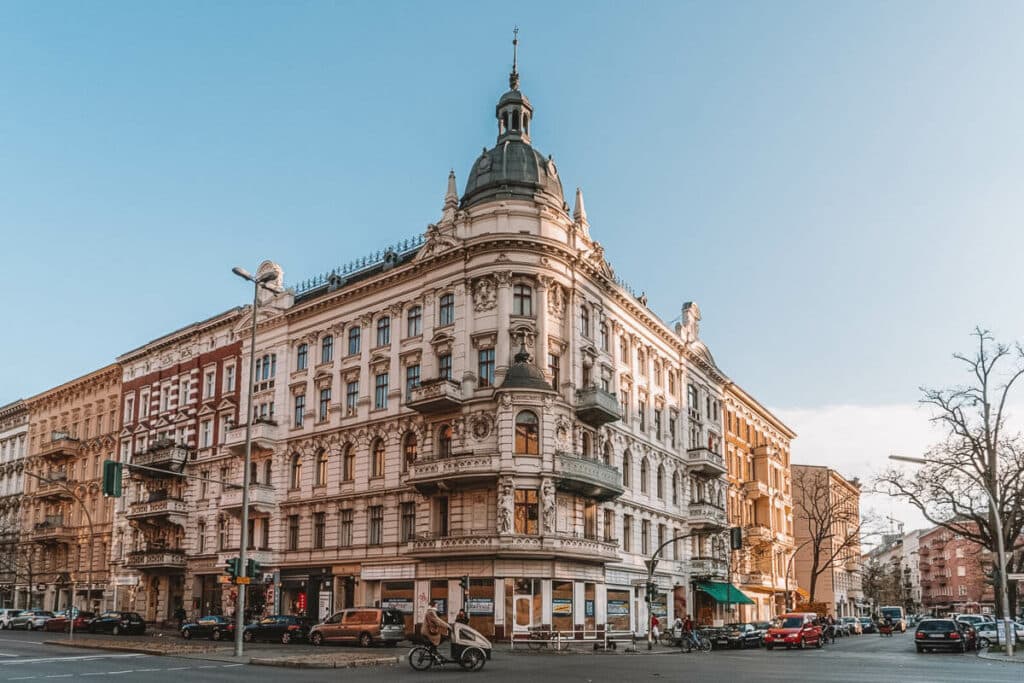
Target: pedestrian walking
654	626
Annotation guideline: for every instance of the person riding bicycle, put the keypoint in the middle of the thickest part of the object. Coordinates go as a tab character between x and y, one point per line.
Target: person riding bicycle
689	633
434	626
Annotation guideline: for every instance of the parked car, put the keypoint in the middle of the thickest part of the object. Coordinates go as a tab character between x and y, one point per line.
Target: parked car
117	623
6	615
763	627
280	627
742	636
62	621
868	625
972	619
842	628
987	634
799	629
853	625
31	619
214	627
944	634
363	625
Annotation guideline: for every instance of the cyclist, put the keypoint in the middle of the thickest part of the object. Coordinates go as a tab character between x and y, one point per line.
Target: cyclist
435	627
689	634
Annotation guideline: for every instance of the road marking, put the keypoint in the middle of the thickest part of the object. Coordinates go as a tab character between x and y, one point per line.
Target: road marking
178	668
68	659
126	671
60	675
4	654
228	666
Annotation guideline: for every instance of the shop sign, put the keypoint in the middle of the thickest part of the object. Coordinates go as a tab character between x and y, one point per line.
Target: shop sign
561	607
404	605
659	609
479	607
126	580
301	602
618	608
325	604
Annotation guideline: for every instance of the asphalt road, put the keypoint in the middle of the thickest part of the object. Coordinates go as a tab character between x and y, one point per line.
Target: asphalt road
23	657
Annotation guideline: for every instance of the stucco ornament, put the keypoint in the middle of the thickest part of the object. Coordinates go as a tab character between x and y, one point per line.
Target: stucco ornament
506	501
481	426
690	326
556	299
562	431
548	497
485	294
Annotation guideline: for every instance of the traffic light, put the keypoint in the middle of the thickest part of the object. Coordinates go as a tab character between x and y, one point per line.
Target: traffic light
464	582
652	591
112	478
736	538
231	566
992	577
251	567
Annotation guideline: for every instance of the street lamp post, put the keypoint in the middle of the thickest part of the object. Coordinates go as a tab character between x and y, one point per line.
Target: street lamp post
257	281
991	491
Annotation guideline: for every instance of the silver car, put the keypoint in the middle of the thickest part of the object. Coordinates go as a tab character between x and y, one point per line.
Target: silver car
987	632
6	615
31	619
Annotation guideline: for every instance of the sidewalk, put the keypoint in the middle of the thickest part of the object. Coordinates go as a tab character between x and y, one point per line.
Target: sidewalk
1018	655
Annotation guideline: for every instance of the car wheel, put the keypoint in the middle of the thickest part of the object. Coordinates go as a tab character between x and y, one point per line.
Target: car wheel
317	638
286	637
920	649
803	644
247	636
216	635
365	640
770	646
817	643
116	631
92	629
28	626
186	633
983	642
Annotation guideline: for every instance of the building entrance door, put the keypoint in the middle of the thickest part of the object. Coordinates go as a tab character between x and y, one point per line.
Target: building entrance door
525	605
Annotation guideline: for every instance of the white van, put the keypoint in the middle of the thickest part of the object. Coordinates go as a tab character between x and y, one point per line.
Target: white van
899	618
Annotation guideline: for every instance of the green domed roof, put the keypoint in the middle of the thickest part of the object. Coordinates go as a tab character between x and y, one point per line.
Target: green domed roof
513	169
525	375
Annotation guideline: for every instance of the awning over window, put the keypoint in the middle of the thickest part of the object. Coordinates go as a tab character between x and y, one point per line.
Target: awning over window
724	592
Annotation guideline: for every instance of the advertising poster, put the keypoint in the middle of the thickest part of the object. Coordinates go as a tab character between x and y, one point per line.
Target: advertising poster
588	608
618	608
404	605
561	607
325	604
480	607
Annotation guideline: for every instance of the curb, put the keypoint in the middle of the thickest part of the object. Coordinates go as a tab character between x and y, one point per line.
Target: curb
347	664
1000	657
126	648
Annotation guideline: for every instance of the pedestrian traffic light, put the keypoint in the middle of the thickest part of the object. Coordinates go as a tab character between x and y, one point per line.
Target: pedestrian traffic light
231	566
736	538
464	582
112	478
652	591
251	567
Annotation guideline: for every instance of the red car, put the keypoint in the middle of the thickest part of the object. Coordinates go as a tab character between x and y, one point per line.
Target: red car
60	621
796	630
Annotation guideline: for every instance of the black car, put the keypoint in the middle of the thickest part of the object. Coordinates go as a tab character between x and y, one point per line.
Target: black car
868	625
762	627
214	627
742	636
117	623
277	627
944	634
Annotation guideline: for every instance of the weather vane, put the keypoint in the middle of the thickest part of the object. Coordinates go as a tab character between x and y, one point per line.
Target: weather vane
513	78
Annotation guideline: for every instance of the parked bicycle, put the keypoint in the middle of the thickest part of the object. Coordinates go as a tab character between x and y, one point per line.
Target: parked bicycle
540	638
696	640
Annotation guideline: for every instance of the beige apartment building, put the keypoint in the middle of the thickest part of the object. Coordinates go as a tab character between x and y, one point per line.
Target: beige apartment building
13	448
760	501
65	520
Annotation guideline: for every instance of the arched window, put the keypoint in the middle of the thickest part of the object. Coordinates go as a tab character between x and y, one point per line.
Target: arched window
522	300
348	463
527	433
660	487
377	459
320	474
295	472
608	452
585	444
643	475
504	122
515	120
268	471
444	441
526	123
408	451
627	466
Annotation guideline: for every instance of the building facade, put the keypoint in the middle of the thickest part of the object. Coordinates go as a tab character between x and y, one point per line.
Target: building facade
760	500
65	521
839	585
13	448
953	574
180	396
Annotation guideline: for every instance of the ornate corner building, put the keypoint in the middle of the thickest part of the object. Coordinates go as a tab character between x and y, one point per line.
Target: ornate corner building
65	521
13	448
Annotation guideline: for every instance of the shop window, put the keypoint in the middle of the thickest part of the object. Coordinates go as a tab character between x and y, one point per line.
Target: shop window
562	605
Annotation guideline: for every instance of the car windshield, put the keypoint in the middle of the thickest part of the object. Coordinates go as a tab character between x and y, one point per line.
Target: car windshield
936	625
792	622
892	612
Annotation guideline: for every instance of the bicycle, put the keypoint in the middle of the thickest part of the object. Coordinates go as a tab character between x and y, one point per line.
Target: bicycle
542	638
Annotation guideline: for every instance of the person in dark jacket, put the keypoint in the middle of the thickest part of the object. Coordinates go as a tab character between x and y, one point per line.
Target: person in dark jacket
462	617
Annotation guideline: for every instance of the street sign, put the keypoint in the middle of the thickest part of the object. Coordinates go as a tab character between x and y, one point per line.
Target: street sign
243	579
223	578
1014	577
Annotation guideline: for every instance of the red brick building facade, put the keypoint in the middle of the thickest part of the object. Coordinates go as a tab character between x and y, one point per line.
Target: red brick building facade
953	574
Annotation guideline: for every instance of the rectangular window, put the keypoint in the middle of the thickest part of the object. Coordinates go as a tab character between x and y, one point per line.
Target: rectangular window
325	403
300	408
383	331
293	532
414	322
208	384
265	534
205	434
201	534
412	380
327	349
554	370
408	521
657	422
376	530
604	336
302	357
627	533
353	340
351	397
444	366
527	511
609	525
585	321
144	404
222	535
485	364
446	310
441	527
229	378
204	487
250	541
642	414
380	391
319	529
345	528
522	300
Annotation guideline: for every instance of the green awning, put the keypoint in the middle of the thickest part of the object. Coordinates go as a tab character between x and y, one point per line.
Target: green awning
724	592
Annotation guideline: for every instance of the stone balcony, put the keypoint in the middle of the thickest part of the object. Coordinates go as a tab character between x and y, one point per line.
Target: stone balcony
518	546
167	558
459	469
436	396
596	406
706	516
705	461
262	499
60	447
755	489
758	534
165	456
57	488
757	580
264	437
166	511
852	565
708	567
587	477
52	531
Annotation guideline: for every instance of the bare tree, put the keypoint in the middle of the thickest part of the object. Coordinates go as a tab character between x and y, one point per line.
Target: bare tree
833	526
979	457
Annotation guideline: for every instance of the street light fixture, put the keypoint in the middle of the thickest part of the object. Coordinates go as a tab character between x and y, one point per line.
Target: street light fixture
257	281
989	488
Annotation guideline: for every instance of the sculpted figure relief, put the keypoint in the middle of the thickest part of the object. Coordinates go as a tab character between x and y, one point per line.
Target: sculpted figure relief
484	294
506	502
548	498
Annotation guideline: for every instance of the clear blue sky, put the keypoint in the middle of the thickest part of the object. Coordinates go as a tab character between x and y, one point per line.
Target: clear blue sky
839	185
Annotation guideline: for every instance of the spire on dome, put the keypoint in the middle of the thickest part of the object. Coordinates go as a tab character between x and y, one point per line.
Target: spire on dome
451	197
579	213
513	78
514	112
